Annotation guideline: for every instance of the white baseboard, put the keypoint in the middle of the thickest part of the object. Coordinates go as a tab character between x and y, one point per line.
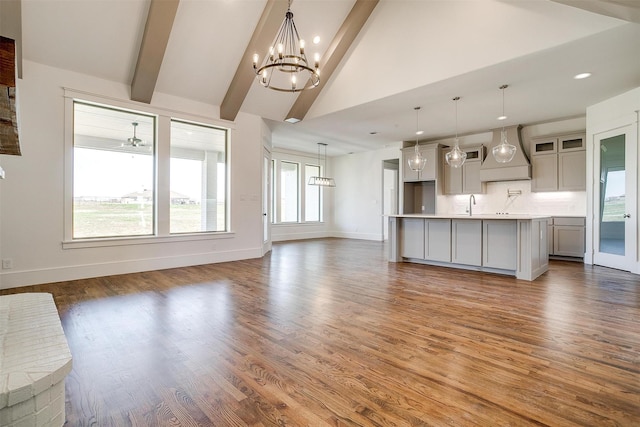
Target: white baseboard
15	279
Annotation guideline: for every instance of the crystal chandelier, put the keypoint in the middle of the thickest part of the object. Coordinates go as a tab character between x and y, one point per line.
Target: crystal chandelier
285	67
321	180
416	160
456	157
503	152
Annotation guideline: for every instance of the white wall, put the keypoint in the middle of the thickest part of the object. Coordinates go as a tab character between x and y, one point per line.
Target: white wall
32	205
358	193
610	114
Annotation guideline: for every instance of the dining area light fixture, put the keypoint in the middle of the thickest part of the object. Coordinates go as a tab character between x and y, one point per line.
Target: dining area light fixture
322	181
416	160
285	67
456	157
503	152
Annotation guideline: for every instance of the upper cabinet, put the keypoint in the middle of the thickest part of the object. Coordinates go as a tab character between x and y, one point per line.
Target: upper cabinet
465	179
430	171
559	163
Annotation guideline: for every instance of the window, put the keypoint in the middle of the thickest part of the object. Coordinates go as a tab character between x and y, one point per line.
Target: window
293	199
198	178
131	179
311	195
288	206
113	172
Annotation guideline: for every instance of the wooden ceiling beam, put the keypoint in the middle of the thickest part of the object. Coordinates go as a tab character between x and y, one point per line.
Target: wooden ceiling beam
342	41
154	43
261	39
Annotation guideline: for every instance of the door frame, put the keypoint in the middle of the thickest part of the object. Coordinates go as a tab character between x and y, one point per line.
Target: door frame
267	194
628	261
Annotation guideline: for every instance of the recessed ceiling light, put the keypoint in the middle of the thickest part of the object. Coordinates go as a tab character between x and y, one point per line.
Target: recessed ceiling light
502	118
316	40
582	76
373	133
420	132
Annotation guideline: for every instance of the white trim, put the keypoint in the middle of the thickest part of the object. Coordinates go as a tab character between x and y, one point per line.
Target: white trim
144	108
16	279
144	240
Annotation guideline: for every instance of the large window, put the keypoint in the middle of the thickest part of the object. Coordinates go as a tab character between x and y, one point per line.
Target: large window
198	178
113	172
288	206
127	184
311	195
294	200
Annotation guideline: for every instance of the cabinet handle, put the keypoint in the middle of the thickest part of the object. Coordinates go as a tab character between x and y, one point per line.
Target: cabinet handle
626	216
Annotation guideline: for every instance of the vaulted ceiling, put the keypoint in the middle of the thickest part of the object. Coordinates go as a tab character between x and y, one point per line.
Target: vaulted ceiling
381	59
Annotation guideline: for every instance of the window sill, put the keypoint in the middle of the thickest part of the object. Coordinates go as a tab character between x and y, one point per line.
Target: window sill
143	240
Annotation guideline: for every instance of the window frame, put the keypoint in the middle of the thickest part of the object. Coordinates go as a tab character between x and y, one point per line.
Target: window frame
161	169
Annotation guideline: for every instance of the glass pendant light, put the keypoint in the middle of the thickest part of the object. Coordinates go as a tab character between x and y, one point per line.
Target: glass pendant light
503	152
456	157
416	160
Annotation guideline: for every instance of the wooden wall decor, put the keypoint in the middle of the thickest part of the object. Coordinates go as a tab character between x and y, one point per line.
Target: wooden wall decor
9	141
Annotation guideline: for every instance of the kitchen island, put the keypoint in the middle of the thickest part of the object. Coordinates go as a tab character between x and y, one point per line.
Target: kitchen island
502	243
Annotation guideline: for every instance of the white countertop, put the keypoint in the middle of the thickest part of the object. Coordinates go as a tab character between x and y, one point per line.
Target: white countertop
474	216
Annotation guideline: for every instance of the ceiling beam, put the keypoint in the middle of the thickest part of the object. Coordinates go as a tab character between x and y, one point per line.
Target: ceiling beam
261	39
11	27
627	10
154	43
337	49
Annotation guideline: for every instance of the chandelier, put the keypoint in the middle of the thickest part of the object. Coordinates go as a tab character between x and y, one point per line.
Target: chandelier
456	157
416	160
285	67
503	152
321	180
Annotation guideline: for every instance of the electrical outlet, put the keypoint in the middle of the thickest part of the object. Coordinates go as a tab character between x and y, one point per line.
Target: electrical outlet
7	263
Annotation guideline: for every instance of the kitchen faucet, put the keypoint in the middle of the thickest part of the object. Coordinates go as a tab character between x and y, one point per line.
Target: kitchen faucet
471	197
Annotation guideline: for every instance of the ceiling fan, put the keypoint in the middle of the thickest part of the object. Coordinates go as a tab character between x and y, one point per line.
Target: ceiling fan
134	141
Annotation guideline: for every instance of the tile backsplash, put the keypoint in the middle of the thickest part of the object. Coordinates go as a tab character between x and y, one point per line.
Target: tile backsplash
497	200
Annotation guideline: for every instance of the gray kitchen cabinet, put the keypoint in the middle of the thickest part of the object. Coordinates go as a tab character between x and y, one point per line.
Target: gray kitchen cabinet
569	236
558	163
466	241
499	244
437	240
544	172
430	171
412	238
465	179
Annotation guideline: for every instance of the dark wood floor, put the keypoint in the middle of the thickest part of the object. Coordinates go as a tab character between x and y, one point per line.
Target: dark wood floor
328	333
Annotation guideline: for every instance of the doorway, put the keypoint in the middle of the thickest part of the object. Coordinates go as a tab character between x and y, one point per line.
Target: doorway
267	167
390	185
615	211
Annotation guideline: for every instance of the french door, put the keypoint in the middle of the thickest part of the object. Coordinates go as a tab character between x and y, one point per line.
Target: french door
615	198
267	166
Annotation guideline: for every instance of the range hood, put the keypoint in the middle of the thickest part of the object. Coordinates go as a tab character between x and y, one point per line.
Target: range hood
517	169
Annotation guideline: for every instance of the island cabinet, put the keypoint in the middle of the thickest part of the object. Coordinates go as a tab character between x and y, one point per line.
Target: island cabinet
515	246
466	241
412	238
499	245
437	239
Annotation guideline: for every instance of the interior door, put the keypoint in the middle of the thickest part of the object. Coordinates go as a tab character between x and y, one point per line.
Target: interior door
615	212
267	174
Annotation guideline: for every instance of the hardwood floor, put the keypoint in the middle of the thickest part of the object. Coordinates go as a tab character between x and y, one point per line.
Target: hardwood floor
328	333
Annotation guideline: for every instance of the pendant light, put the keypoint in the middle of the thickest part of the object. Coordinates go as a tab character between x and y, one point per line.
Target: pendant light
134	141
321	180
416	160
456	157
503	152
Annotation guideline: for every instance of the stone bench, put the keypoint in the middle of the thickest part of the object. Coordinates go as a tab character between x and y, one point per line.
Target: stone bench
34	360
